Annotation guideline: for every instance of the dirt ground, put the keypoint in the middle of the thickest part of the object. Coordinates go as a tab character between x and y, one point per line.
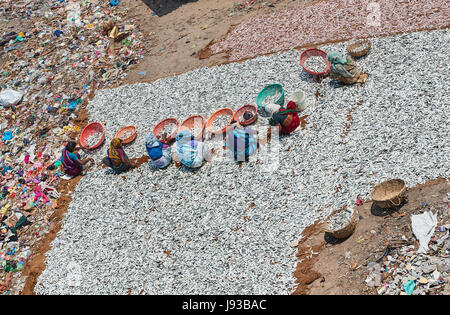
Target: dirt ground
338	267
175	39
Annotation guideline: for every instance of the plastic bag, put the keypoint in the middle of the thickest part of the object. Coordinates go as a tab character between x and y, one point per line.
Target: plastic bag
10	97
73	14
423	226
272	108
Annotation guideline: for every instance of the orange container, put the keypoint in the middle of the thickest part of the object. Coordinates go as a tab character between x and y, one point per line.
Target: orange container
160	126
89	130
240	112
191	122
125	130
221	112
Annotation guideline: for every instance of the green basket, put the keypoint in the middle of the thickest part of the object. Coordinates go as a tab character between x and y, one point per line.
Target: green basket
266	92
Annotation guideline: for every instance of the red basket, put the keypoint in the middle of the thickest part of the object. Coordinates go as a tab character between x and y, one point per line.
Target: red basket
89	130
240	112
123	131
160	126
189	122
314	52
221	112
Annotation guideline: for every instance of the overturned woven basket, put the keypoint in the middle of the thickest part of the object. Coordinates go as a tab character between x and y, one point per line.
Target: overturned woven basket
347	230
359	48
389	194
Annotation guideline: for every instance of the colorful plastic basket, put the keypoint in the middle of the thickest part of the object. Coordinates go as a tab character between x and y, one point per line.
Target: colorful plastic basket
314	52
160	126
190	122
269	90
123	131
240	112
221	112
90	129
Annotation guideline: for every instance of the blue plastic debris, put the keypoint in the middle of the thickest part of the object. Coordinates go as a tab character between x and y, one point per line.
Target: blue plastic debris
7	135
73	104
409	286
58	33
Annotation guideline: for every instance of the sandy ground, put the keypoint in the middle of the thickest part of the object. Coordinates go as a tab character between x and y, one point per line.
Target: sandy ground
176	38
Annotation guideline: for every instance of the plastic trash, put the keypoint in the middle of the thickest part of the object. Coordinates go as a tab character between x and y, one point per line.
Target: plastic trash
409	286
73	104
423	226
73	14
10	97
114	2
7	135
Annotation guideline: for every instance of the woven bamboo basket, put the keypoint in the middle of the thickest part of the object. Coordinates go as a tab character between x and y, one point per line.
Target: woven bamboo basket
353	50
347	230
389	194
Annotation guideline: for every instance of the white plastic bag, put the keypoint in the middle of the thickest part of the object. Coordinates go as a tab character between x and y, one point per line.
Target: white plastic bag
423	226
10	97
73	14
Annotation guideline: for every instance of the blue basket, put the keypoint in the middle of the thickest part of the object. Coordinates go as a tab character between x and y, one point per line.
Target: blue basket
269	90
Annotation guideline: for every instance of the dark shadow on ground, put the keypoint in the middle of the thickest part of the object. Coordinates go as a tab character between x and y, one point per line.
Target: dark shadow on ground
380	212
163	7
328	238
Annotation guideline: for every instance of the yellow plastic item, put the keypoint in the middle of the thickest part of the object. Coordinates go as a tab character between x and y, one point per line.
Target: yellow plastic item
5	208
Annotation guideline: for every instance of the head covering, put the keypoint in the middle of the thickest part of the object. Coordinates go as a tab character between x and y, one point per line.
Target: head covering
71	167
338	64
189	151
153	146
71	146
113	154
184	136
242	142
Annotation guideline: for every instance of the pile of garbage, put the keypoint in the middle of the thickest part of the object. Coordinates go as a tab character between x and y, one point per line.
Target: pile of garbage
407	270
47	72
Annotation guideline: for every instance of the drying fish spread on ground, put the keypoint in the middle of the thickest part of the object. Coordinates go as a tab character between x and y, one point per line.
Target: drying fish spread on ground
315	64
221	121
224	228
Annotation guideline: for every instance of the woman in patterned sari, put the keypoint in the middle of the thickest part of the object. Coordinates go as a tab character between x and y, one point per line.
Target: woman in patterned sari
117	158
72	162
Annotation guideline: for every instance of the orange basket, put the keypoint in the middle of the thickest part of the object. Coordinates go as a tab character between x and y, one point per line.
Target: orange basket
89	130
240	113
160	126
192	122
221	112
121	133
